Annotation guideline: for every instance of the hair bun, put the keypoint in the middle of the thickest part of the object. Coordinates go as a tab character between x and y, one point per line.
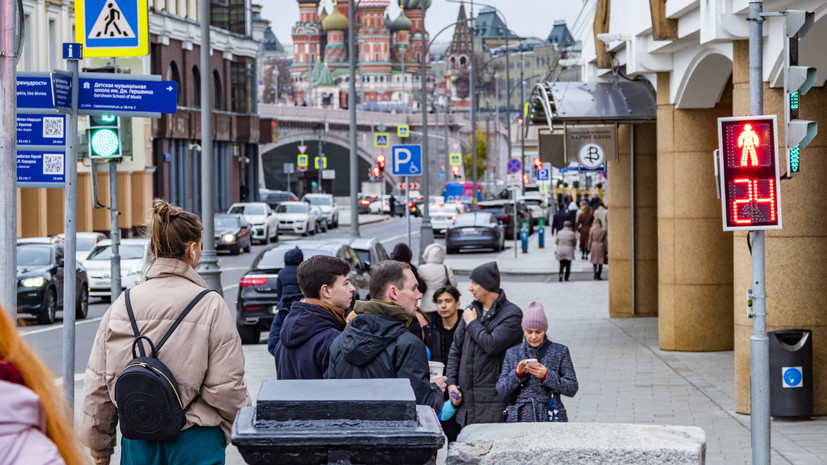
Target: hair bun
165	210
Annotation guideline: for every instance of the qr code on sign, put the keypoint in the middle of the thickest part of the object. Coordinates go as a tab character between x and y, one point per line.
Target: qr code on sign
53	127
53	163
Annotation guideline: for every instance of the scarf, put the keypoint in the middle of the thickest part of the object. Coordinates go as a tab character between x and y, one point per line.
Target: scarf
381	307
336	311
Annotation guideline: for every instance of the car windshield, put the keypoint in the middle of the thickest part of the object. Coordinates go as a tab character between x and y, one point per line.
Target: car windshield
291	208
273	259
248	210
126	251
225	223
85	243
473	219
533	201
275	196
364	255
33	256
318	200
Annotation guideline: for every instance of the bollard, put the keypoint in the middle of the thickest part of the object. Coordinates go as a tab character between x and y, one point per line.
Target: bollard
524	234
541	232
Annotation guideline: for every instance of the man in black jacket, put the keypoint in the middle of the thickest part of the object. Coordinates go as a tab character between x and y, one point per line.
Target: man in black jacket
377	343
303	351
489	327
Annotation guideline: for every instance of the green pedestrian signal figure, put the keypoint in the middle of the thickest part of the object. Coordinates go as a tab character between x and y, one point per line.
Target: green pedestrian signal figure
748	140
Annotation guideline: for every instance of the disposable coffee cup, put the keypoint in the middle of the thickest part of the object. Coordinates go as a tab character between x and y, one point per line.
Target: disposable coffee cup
437	369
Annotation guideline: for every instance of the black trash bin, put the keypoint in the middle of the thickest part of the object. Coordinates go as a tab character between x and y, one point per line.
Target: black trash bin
791	374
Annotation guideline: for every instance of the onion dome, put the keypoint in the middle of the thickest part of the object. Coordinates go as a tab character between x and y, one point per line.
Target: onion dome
335	21
415	4
401	23
323	14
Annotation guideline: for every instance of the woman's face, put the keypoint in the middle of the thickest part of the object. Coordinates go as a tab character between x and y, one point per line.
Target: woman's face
446	305
534	337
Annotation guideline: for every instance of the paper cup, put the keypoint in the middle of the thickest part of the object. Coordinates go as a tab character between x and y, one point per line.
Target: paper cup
437	369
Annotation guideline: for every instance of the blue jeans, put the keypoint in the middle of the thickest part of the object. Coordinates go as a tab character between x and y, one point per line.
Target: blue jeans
197	445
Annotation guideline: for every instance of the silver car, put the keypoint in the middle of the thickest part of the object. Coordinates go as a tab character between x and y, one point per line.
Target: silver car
327	204
262	221
442	217
297	217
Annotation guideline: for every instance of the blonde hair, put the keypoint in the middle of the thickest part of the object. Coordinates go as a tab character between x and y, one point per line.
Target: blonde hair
38	378
597	223
172	229
585	209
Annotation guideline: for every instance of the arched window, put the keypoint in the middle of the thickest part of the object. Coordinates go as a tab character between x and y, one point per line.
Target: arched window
196	87
217	95
462	61
453	62
174	75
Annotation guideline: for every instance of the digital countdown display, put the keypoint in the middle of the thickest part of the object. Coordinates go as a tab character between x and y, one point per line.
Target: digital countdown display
748	165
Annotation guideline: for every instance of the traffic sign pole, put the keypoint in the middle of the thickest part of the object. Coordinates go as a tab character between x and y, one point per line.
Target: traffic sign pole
9	55
408	208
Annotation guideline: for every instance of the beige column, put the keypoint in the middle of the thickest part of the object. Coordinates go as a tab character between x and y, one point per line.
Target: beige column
796	256
619	199
694	254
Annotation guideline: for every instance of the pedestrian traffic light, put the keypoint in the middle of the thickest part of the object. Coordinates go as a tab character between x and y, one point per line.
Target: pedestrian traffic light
520	121
797	81
376	172
380	162
455	171
538	163
104	137
749	172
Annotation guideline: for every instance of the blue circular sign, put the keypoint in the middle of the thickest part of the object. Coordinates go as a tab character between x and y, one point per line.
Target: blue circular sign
514	165
792	376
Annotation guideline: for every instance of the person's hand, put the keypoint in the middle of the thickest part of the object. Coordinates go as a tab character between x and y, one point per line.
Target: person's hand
455	394
521	367
537	370
102	460
469	315
440	381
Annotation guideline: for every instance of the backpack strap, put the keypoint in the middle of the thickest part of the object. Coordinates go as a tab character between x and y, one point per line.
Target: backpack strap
181	318
134	325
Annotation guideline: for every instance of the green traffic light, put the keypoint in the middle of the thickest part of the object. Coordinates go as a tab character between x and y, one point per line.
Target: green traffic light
794	101
108	118
105	143
794	159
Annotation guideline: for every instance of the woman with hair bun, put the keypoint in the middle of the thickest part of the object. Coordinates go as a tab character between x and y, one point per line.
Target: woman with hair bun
204	353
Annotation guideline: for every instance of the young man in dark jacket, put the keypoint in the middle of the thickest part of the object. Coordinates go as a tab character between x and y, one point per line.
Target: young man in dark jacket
489	326
377	343
288	290
303	351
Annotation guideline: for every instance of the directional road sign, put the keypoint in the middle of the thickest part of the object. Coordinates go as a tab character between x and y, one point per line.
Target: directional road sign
542	175
406	160
514	165
112	28
381	140
34	91
403	130
43	130
62	91
99	94
455	159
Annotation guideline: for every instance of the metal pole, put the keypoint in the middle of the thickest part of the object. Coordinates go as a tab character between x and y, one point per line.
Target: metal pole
632	209
522	128
208	266
8	154
407	208
426	236
473	105
70	229
114	233
496	118
351	106
508	92
361	75
321	164
759	343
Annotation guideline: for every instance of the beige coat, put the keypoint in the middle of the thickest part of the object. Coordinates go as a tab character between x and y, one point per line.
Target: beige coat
434	272
204	353
566	242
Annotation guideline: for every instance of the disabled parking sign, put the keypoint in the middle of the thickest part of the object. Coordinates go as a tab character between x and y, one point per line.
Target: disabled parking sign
112	28
406	160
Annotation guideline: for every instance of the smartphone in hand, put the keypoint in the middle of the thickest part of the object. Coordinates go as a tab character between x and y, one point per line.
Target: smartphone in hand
532	362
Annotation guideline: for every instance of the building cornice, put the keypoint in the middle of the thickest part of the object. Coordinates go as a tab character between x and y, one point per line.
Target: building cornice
167	26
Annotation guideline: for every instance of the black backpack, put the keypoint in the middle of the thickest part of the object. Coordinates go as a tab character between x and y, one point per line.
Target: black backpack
149	401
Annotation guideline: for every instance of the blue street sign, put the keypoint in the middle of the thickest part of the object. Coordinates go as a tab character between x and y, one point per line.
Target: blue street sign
40	168
599	169
381	140
542	175
41	130
126	97
34	91
441	175
112	27
62	90
72	51
793	377
514	165
406	160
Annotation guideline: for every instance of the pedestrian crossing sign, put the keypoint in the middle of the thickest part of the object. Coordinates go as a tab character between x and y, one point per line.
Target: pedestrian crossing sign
381	140
403	130
112	28
316	162
301	160
455	159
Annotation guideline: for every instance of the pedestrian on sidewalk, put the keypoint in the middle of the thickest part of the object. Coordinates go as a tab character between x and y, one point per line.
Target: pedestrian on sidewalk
595	201
489	326
559	219
435	274
536	373
585	218
204	353
566	242
599	248
600	213
573	211
289	291
34	427
377	344
303	352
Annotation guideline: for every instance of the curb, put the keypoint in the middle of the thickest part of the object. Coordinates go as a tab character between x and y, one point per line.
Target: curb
533	273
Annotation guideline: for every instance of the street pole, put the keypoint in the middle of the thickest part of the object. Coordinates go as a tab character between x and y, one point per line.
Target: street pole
361	75
407	208
320	163
496	118
114	233
8	155
70	229
759	343
426	236
351	107
208	266
275	83
522	127
473	105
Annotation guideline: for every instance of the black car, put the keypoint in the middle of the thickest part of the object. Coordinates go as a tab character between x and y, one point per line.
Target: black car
478	230
370	251
40	282
232	233
274	198
257	297
504	211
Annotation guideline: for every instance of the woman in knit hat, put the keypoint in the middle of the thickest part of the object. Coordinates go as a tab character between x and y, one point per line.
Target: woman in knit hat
536	373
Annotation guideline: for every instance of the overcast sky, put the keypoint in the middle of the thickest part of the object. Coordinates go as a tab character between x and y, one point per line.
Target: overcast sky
526	18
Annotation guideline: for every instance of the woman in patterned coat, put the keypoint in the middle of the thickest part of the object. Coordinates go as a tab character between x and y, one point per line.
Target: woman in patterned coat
526	387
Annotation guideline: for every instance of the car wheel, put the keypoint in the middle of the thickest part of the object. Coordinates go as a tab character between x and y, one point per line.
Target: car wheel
249	246
249	334
236	249
336	222
82	306
315	228
49	309
106	299
276	235
326	227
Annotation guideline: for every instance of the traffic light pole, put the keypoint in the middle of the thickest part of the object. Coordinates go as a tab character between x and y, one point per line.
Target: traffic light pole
114	228
759	343
426	231
9	54
351	107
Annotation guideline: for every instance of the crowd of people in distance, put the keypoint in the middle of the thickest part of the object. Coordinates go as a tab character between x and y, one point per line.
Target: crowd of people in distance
587	225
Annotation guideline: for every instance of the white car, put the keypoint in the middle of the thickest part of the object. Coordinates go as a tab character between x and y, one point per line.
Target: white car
537	206
297	217
85	242
442	217
98	265
327	204
263	222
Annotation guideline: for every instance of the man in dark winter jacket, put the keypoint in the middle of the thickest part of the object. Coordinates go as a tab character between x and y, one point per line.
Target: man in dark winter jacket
377	343
559	220
489	326
288	290
303	352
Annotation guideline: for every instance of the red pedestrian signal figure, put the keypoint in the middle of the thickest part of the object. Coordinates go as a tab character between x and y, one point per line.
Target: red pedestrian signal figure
748	140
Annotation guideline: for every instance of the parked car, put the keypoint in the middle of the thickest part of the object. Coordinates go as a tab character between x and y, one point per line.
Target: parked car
274	198
322	220
442	217
133	254
504	211
328	205
263	222
40	271
475	230
370	250
383	206
85	242
37	240
297	217
232	233
537	206
257	297
364	202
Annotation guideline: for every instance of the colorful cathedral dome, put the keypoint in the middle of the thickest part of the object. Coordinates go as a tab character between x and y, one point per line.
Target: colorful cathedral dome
323	14
335	21
401	23
415	4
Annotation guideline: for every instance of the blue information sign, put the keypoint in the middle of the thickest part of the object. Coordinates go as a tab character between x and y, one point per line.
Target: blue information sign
40	168
126	97
41	130
543	174
34	91
406	160
72	51
62	90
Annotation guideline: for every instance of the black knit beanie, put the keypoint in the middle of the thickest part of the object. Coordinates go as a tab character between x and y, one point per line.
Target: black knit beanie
487	275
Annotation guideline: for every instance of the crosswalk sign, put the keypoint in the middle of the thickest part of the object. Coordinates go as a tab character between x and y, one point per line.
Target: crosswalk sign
112	28
403	130
302	159
381	140
455	159
324	162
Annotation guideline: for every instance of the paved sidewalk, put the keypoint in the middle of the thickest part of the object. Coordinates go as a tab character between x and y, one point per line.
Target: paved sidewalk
344	217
